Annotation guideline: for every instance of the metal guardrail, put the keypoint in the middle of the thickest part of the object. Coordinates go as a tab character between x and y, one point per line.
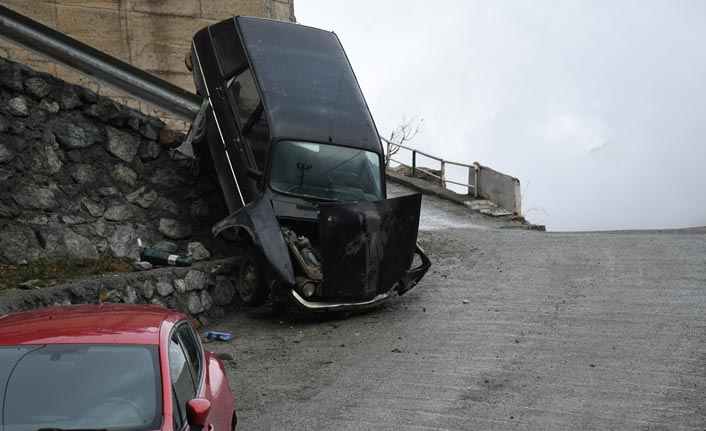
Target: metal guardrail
117	74
392	148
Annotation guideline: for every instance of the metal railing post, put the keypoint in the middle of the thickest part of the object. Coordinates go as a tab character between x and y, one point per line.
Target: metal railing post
443	174
389	154
471	178
475	183
414	164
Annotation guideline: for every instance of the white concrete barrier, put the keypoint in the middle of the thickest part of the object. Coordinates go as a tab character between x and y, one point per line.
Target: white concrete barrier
497	187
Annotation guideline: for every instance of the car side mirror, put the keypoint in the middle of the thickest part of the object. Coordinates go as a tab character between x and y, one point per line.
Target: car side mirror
255	174
197	412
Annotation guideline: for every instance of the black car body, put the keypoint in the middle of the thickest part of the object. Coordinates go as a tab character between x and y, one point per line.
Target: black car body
300	164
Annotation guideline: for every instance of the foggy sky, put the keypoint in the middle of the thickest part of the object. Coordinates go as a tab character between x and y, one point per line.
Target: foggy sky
598	107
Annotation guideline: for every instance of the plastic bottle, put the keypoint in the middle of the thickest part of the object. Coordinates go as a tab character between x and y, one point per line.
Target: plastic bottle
220	336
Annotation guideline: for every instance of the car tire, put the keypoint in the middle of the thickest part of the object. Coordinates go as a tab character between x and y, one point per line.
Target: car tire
252	286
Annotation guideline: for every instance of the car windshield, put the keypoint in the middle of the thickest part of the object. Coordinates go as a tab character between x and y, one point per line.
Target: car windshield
325	171
78	386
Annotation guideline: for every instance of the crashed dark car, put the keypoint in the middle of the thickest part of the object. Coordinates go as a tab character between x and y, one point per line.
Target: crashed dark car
296	152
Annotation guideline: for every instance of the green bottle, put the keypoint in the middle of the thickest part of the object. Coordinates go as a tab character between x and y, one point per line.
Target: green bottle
157	256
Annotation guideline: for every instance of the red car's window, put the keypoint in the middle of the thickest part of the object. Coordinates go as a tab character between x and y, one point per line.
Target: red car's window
77	386
183	387
193	350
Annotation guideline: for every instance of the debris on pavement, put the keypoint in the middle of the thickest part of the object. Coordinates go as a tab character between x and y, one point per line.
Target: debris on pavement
219	336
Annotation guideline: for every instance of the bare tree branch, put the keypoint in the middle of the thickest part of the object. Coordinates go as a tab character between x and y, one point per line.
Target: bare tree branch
403	134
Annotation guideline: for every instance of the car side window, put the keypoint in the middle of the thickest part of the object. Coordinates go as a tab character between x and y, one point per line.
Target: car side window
178	420
245	96
230	53
193	350
250	112
183	387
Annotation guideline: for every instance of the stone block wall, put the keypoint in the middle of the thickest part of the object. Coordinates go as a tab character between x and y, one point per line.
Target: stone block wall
82	175
204	291
153	35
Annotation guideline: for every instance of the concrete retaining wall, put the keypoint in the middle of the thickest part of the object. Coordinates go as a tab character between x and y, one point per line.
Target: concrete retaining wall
499	188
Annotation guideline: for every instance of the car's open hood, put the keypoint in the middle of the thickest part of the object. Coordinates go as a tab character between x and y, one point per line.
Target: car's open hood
367	247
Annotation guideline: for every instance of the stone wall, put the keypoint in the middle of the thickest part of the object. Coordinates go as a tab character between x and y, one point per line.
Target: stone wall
153	35
81	175
204	291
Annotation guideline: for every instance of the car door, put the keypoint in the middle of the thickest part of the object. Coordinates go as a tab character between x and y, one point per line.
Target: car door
241	140
248	110
216	58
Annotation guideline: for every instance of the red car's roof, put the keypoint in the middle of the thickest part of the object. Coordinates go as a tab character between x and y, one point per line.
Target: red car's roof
84	324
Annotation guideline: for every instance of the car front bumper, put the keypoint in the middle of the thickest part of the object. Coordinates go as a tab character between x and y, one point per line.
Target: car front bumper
324	307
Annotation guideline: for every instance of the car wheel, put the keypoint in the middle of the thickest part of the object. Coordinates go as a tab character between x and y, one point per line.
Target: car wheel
252	287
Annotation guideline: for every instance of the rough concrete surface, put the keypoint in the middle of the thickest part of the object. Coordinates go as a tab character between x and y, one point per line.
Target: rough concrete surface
511	329
439	213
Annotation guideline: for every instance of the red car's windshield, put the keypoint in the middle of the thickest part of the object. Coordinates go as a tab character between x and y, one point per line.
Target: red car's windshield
78	386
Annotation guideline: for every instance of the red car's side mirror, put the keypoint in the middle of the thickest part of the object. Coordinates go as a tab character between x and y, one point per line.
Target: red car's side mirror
197	412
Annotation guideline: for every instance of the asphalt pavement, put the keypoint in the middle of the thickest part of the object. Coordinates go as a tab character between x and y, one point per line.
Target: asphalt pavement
510	329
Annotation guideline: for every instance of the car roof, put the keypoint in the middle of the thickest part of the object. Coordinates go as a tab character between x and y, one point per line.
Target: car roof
309	90
87	324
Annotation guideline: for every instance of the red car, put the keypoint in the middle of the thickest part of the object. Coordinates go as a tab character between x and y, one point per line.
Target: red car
109	367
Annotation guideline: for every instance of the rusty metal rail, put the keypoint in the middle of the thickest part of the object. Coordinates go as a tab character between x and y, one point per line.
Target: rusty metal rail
392	148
